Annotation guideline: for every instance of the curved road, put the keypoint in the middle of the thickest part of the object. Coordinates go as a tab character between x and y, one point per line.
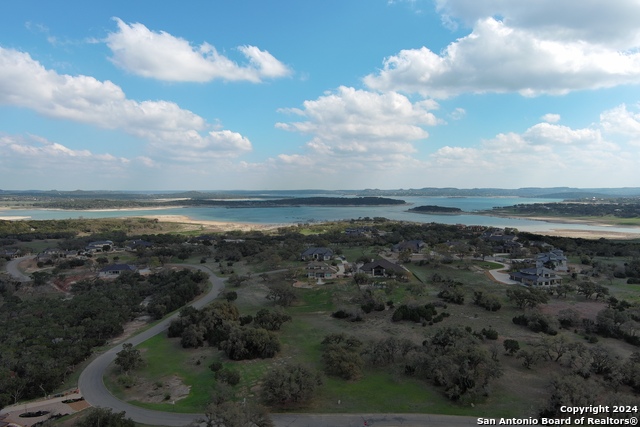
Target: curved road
14	271
94	391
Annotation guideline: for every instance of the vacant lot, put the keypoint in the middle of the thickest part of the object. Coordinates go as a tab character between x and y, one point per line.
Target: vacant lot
518	392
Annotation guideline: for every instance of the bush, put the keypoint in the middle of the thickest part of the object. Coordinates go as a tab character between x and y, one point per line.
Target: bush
126	381
341	314
228	376
415	314
215	366
231	296
368	307
245	320
489	302
290	384
490	334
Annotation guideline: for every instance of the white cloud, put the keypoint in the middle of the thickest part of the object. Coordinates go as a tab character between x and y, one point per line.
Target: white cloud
38	155
498	58
612	23
26	83
621	120
551	118
545	153
162	56
356	121
458	114
356	137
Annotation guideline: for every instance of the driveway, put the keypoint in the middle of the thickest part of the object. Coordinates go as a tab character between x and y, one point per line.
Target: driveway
498	274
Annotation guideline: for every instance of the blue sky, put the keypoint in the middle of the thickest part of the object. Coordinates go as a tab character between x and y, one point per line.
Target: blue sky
334	94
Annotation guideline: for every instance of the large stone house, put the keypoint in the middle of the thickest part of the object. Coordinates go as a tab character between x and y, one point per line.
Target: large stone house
98	246
536	277
320	270
115	270
317	254
381	268
413	245
554	260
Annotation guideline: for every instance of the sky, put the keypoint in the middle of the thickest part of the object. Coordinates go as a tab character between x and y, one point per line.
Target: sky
331	94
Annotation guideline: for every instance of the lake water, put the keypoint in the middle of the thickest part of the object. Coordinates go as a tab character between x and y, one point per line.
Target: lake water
303	214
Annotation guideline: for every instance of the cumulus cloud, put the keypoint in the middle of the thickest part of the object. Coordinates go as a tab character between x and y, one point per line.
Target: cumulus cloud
498	58
356	134
356	121
621	120
25	83
612	23
458	114
162	56
547	153
38	155
551	118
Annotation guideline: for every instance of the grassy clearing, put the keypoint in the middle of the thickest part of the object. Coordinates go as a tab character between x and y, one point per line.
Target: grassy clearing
165	358
315	300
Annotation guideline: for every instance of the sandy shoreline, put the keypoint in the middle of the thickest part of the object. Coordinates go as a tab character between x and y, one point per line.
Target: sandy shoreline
589	234
229	226
214	225
211	225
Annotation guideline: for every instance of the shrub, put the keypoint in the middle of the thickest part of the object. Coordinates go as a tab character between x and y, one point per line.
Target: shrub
490	334
228	376
341	314
215	366
231	296
126	381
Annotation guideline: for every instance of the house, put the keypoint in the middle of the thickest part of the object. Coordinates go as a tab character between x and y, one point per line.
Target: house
553	259
10	253
202	240
536	277
381	268
317	254
320	270
98	246
510	247
499	238
361	231
413	245
114	270
49	254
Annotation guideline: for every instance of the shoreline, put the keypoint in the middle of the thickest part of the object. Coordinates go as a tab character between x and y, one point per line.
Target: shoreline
559	220
213	225
223	226
230	226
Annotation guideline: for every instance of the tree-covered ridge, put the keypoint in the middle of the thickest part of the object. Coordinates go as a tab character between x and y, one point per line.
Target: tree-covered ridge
630	209
104	203
435	209
45	338
27	230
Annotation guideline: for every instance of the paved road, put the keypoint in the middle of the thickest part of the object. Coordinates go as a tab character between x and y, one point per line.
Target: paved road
92	387
94	391
14	271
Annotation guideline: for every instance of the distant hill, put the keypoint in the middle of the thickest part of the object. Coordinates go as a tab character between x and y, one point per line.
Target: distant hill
563	193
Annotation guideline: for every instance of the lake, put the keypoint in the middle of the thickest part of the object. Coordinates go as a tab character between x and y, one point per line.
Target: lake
304	214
